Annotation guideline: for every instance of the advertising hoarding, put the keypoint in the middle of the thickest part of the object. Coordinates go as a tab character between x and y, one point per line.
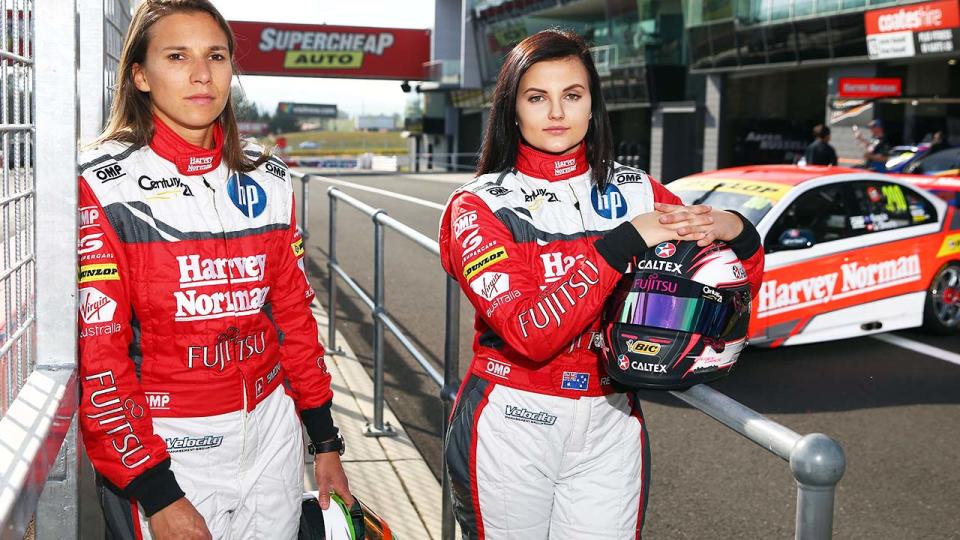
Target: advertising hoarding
917	29
331	51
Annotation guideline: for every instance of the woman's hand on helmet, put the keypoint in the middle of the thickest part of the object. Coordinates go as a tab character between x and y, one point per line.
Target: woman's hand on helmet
329	475
681	223
699	222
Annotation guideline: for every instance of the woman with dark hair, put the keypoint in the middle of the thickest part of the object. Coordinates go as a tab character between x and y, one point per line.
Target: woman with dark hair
194	306
541	444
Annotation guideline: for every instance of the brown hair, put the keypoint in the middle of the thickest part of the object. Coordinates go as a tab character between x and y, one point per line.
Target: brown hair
502	138
131	118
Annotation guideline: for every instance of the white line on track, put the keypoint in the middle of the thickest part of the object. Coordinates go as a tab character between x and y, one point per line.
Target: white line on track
444	178
921	348
378	191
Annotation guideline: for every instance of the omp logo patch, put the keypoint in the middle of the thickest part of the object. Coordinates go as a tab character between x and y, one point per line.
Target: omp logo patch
643	347
484	261
950	246
97	272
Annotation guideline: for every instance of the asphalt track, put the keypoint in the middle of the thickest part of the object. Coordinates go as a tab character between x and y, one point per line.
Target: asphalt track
895	411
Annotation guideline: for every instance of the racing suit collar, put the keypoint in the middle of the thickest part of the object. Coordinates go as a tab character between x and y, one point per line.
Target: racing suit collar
190	160
539	164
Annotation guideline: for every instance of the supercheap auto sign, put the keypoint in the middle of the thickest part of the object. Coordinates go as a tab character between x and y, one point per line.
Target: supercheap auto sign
331	51
916	29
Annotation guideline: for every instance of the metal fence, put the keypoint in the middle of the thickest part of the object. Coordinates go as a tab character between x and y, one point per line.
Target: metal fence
816	461
17	200
41	72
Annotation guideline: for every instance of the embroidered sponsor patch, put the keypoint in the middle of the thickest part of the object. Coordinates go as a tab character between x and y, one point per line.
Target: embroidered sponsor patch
98	272
484	261
297	247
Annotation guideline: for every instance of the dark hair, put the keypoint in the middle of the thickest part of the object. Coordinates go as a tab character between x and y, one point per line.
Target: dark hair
500	142
821	131
131	117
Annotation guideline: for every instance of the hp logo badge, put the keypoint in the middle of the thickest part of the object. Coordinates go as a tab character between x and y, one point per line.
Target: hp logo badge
610	204
246	194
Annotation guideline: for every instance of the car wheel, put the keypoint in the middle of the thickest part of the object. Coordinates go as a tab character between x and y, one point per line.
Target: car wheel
941	311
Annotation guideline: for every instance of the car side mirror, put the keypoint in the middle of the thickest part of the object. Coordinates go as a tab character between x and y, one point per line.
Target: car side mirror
796	239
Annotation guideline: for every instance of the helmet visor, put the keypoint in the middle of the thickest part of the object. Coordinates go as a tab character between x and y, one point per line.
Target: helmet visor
682	305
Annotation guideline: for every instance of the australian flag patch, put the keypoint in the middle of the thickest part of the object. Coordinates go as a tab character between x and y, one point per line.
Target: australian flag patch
575	381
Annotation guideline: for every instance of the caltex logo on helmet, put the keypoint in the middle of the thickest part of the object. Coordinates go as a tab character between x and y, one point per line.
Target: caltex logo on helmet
665	250
623	362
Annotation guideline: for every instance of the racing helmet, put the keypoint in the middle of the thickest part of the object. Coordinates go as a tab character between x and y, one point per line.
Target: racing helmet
679	319
338	522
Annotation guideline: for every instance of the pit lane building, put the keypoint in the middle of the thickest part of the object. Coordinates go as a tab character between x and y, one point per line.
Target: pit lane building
699	84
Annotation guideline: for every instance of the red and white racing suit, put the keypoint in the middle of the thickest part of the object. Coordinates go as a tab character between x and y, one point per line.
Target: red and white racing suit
194	310
540	443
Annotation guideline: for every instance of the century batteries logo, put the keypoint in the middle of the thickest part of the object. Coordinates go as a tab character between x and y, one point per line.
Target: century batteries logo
324	50
853	279
195	301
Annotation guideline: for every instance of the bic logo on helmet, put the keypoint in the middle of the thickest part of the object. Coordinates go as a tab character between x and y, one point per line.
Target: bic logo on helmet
246	194
610	204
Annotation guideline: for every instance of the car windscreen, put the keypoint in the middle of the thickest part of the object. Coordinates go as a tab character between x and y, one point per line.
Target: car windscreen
753	199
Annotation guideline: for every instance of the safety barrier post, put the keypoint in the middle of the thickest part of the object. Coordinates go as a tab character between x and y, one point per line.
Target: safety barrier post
379	427
448	394
55	101
818	463
331	276
305	206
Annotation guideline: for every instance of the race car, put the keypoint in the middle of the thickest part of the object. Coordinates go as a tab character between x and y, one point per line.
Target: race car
849	252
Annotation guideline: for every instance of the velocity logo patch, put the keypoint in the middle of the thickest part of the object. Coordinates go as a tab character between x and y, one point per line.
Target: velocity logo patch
246	194
523	415
188	444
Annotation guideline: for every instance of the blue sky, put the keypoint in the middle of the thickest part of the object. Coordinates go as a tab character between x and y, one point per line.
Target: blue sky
353	96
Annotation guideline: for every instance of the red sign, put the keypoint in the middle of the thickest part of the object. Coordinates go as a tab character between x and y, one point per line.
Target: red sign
868	88
914	18
331	51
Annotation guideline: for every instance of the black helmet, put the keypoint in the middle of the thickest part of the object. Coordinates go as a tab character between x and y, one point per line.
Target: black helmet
338	522
679	319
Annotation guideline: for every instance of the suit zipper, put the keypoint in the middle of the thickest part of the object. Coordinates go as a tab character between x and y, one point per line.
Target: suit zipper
243	385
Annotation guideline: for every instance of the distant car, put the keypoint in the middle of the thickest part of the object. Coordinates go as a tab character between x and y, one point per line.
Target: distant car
943	163
308	145
849	252
902	157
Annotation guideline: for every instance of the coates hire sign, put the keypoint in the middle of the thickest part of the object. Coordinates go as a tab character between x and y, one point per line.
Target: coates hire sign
331	51
868	88
313	110
912	30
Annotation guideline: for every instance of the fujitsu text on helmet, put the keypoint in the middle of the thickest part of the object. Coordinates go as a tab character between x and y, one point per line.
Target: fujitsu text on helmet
679	319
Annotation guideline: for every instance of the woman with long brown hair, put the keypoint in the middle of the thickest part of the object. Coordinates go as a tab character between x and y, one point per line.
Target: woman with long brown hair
195	327
541	444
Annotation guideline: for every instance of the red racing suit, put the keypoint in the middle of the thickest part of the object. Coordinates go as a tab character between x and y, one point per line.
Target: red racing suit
193	302
540	445
537	250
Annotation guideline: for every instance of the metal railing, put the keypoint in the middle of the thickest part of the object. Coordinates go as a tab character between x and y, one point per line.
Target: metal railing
816	460
442	161
448	382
